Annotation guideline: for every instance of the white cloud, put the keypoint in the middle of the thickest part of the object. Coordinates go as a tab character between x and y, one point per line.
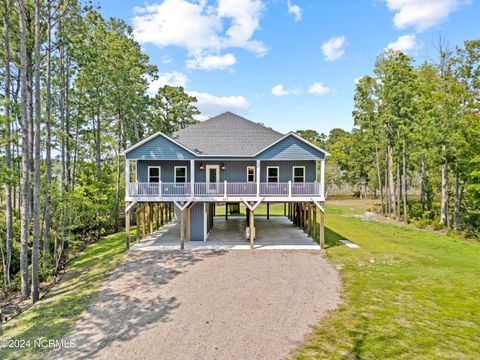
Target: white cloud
173	78
279	90
210	62
211	105
422	14
319	89
334	48
200	28
404	43
295	10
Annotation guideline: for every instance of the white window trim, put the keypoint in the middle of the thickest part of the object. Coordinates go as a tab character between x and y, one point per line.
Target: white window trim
175	174
254	173
278	174
293	173
159	173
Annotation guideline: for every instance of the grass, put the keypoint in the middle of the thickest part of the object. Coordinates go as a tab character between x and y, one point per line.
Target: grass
407	294
261	210
54	316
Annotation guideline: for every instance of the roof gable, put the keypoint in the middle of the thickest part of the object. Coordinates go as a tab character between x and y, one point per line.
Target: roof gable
291	147
159	147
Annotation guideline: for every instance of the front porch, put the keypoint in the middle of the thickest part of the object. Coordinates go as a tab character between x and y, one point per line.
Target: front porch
276	233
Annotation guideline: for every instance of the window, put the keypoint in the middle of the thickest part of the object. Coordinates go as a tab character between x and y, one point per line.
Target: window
180	174
250	173
299	174
154	174
272	174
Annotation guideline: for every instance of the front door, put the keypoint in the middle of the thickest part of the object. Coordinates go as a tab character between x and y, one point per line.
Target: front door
213	178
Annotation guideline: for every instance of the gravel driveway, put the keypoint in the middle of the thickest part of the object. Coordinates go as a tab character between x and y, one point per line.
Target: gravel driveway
207	305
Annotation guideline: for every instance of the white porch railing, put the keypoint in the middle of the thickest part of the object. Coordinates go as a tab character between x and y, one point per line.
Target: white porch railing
224	189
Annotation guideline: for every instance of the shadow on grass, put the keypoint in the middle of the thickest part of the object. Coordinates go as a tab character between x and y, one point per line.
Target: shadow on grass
332	238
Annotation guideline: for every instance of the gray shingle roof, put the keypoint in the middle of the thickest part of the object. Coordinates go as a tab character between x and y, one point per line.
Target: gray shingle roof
225	135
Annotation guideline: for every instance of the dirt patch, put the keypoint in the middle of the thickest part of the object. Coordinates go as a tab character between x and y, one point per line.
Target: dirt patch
207	305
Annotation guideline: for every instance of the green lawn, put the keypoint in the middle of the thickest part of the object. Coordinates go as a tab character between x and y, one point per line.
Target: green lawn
407	294
54	316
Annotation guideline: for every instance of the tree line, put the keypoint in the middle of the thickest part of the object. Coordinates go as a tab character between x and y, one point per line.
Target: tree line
74	93
416	138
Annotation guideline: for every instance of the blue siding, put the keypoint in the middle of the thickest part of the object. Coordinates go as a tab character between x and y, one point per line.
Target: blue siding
166	169
159	148
235	171
286	170
291	148
197	222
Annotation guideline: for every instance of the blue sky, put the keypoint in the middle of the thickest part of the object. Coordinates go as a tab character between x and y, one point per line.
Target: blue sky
289	64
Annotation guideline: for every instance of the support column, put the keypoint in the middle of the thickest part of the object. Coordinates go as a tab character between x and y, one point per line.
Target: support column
157	215
304	214
251	228
150	218
143	221
284	209
226	211
268	211
162	210
182	231
322	227
188	223
137	223
127	226
315	223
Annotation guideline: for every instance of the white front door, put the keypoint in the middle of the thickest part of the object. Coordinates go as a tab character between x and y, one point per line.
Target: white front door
213	178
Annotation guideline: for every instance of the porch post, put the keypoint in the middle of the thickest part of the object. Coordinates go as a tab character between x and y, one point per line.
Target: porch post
257	174
192	177
182	231
127	177
251	227
127	226
137	230
322	177
322	226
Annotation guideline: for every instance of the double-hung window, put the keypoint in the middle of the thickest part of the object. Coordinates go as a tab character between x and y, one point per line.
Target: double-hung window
250	174
299	174
272	174
154	174
180	174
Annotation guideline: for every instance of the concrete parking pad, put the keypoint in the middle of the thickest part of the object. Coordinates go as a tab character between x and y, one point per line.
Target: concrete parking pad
206	305
277	233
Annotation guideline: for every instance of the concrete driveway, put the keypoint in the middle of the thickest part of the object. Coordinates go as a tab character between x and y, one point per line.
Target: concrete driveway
276	233
206	305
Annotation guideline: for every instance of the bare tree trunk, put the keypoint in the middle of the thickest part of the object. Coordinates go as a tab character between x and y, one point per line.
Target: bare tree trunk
391	184
62	116
379	178
36	188
422	183
458	200
48	141
98	164
117	185
404	179
8	154
399	193
444	220
24	211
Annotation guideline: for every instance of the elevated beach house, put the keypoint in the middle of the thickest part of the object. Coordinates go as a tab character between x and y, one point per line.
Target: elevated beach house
225	160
